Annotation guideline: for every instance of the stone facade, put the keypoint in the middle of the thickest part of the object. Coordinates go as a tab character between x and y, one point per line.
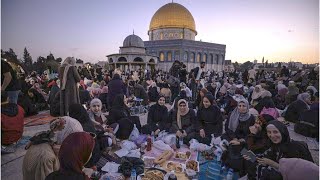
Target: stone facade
189	52
171	33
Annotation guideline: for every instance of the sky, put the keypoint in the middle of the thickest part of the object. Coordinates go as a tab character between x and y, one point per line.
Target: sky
278	30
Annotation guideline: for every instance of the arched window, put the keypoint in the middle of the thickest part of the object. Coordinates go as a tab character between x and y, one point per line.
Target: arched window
211	58
204	59
192	57
161	36
176	55
161	56
169	56
122	59
151	61
181	35
198	57
185	56
110	60
138	59
217	59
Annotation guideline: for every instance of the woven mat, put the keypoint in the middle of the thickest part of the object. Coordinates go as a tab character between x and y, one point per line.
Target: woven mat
39	119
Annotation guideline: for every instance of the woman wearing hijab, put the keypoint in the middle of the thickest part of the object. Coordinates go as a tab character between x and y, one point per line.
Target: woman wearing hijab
256	94
115	86
103	97
296	108
99	119
78	112
182	121
37	100
200	96
75	152
209	120
293	92
237	126
42	150
69	78
157	117
120	113
280	99
281	147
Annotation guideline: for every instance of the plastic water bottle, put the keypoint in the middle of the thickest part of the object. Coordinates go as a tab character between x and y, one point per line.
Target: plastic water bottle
181	141
230	174
219	154
152	137
177	142
133	174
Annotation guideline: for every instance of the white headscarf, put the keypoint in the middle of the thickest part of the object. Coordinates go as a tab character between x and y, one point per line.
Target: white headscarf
71	126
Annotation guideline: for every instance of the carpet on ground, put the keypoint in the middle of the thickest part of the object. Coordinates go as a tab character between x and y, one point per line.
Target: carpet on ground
39	119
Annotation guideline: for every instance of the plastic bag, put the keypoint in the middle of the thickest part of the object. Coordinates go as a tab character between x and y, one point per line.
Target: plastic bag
215	141
129	145
134	133
161	145
170	139
162	135
196	146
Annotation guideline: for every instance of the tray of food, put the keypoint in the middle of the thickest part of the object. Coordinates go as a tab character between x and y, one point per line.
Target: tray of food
192	164
208	154
182	155
148	161
163	157
174	166
152	174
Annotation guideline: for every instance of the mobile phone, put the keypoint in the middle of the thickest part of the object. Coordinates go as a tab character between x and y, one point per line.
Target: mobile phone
253	157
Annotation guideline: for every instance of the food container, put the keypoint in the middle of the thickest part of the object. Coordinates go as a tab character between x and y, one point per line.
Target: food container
196	165
175	166
182	155
148	161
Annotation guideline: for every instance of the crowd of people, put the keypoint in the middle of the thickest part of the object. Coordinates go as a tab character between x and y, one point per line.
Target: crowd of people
243	107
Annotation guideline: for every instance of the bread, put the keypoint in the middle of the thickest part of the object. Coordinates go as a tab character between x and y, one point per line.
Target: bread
192	165
153	175
163	157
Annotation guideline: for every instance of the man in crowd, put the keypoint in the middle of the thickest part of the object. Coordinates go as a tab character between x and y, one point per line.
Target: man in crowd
9	82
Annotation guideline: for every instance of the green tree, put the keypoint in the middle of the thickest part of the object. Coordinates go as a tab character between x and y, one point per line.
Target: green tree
27	59
246	65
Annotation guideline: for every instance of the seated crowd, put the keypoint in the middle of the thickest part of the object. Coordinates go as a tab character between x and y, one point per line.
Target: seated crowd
245	113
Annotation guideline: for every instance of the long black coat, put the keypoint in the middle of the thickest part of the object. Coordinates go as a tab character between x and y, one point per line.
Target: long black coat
211	120
157	117
241	132
294	111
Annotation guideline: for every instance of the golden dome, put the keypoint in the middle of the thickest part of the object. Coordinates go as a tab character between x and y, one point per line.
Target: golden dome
172	15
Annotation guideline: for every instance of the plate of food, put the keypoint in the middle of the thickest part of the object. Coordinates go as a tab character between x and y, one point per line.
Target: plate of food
182	155
152	174
148	161
174	166
192	164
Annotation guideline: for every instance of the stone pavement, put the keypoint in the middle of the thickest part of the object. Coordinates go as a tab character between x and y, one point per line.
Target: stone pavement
11	164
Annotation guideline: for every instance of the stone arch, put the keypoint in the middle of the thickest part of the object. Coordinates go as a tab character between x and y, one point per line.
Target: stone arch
205	57
169	56
151	60
138	59
192	57
198	57
186	56
217	59
161	56
122	59
211	58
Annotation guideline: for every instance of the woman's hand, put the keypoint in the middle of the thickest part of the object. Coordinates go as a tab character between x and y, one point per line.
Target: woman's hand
178	133
269	162
157	132
234	142
202	133
184	133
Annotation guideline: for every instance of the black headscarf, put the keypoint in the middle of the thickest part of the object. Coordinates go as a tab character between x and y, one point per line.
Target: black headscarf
282	129
210	97
78	112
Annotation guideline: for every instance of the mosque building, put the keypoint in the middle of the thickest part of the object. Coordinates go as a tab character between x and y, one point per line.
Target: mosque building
172	34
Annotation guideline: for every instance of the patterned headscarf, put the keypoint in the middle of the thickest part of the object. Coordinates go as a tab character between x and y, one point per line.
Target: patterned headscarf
236	116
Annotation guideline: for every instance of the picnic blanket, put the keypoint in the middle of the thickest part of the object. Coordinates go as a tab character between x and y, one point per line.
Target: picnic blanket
212	170
39	119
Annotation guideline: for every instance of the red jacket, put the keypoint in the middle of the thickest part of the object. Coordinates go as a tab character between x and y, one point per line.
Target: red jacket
11	123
